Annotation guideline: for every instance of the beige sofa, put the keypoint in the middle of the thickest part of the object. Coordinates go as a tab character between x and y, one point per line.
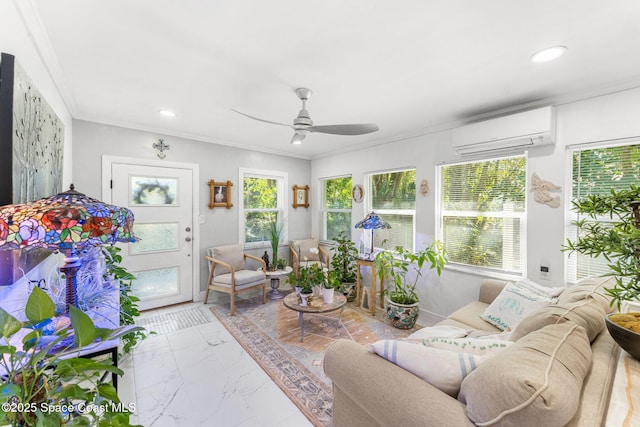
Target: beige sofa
510	389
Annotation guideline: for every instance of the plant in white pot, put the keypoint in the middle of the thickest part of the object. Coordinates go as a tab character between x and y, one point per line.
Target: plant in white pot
402	300
307	279
331	285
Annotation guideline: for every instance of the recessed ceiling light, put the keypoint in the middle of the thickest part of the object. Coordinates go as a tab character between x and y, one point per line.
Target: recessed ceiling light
548	54
167	113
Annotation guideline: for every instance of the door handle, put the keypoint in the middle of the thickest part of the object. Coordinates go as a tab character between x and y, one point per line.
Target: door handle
188	229
188	239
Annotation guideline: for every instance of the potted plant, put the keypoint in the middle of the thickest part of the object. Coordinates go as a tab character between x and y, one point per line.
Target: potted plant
276	228
402	300
307	278
610	227
331	285
44	381
343	262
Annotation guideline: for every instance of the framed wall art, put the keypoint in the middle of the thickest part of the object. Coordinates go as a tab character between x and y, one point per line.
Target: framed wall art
300	196
357	193
31	138
220	194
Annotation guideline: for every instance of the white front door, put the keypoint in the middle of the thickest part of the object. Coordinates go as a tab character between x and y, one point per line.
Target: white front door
162	202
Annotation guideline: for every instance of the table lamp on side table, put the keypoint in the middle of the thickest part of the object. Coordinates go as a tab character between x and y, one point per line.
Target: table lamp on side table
68	221
372	222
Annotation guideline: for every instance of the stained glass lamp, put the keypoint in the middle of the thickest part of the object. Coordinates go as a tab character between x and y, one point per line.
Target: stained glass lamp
372	222
67	221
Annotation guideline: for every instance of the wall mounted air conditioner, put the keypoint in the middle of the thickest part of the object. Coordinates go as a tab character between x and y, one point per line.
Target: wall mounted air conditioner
507	133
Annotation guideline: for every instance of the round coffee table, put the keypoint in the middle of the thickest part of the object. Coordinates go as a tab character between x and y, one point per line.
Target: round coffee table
315	306
275	281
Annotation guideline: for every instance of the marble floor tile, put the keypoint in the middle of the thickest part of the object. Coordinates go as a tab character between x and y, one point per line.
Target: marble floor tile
200	376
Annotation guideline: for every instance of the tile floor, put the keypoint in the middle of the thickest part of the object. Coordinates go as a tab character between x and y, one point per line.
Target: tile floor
200	376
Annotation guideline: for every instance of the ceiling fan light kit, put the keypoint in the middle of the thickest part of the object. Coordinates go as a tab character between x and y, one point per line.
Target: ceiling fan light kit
303	125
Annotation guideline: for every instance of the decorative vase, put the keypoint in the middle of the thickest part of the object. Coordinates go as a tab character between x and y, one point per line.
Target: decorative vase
327	295
402	316
317	290
297	288
304	299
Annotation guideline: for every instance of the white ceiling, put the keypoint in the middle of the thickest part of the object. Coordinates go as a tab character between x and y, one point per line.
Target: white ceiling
411	66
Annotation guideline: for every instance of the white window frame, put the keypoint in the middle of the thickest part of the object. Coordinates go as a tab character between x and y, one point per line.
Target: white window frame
324	211
571	231
440	213
382	212
283	202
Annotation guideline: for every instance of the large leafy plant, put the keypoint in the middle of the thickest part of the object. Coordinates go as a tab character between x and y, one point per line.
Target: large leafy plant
44	381
396	265
610	227
343	259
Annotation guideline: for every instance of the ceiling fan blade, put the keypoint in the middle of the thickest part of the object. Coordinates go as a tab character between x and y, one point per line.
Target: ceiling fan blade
263	120
354	129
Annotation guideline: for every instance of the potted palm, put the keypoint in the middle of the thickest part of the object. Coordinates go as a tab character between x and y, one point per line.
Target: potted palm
343	262
274	233
609	227
402	300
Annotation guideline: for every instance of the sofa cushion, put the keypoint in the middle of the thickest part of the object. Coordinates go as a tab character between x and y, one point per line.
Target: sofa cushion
242	278
514	304
469	316
587	313
536	381
591	287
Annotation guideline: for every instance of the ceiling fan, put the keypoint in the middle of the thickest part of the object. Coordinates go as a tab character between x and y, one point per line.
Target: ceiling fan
303	125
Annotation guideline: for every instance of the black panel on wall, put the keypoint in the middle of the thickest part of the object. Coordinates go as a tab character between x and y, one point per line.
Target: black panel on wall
6	128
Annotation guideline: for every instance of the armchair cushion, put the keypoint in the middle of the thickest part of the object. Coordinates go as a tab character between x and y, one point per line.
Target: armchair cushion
242	277
231	254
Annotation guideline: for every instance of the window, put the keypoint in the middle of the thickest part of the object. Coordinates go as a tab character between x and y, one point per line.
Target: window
392	195
263	201
597	171
482	213
336	207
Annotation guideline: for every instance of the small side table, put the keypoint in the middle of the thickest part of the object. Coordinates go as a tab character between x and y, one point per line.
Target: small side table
372	298
275	282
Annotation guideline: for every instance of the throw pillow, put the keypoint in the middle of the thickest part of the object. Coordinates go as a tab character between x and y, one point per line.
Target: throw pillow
308	248
443	369
442	331
587	313
479	346
533	287
512	305
536	381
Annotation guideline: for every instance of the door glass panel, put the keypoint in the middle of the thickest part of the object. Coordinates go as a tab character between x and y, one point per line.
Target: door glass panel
156	283
155	237
153	191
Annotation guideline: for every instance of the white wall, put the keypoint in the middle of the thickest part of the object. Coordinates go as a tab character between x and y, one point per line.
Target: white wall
15	40
217	162
603	118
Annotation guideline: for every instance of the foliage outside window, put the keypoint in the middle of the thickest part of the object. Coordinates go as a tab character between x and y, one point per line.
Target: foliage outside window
393	197
482	212
262	206
597	171
336	207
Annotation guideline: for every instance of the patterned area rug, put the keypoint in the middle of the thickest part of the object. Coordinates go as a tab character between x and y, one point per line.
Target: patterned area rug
270	333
